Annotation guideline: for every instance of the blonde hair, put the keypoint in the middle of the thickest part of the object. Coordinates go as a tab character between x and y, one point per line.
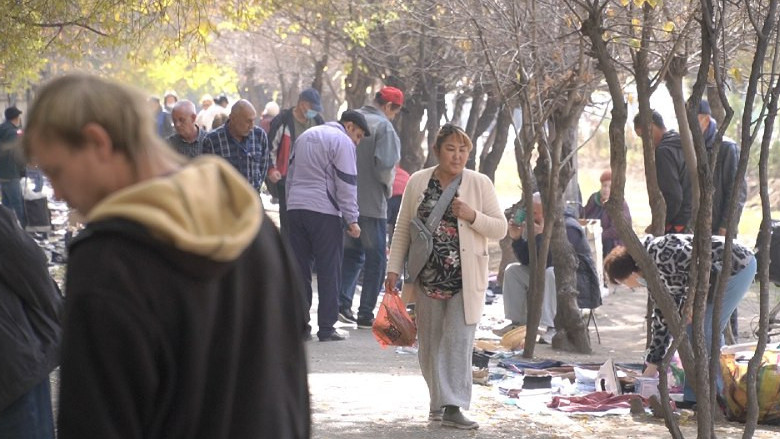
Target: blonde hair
67	103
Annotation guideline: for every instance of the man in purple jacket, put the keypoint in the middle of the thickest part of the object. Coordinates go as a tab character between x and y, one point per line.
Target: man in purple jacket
321	200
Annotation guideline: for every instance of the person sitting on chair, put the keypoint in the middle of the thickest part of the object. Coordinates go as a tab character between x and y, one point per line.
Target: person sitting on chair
517	276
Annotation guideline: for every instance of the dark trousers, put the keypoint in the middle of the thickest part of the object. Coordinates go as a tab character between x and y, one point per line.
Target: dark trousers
393	206
30	416
11	191
281	189
317	238
367	253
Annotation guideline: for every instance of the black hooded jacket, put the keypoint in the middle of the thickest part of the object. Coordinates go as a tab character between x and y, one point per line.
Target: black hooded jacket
673	179
724	177
30	309
184	316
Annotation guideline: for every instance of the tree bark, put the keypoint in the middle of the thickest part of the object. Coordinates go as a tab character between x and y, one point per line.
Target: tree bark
674	76
489	163
572	334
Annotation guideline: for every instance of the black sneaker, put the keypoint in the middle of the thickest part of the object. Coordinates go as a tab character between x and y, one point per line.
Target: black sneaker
335	336
346	316
365	323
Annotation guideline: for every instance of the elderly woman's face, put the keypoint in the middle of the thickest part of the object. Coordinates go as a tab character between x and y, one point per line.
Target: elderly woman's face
453	154
606	187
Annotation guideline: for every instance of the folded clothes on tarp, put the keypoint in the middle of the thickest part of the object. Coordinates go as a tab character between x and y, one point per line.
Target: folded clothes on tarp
593	402
514	364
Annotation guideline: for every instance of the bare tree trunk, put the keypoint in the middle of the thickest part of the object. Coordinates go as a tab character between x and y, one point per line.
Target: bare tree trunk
433	115
764	34
477	98
655	197
356	83
593	29
457	110
489	164
572	334
412	155
674	76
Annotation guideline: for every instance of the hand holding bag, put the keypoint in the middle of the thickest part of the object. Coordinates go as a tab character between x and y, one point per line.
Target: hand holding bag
421	234
393	326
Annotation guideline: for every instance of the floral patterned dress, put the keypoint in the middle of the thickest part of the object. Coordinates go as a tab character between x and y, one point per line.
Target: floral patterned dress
441	278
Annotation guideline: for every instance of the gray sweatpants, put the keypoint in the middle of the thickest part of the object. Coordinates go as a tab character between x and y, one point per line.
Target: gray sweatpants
517	278
445	345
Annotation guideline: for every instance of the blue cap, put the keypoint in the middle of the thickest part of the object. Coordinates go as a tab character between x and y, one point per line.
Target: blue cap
704	107
313	97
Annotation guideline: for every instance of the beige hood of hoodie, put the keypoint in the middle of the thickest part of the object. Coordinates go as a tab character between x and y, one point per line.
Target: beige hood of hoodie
206	208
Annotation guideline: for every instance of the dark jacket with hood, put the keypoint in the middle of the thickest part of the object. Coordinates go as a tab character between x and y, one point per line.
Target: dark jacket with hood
30	309
673	179
724	177
184	316
11	160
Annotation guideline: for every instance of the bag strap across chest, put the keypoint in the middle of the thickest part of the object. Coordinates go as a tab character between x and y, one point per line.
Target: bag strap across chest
441	205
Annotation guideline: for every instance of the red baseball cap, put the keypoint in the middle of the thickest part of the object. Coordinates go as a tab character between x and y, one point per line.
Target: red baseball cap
392	94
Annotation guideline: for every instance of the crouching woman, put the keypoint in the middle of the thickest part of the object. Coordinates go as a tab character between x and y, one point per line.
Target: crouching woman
672	255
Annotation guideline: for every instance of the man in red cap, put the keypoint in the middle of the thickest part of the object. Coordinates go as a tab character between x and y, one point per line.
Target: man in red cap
376	159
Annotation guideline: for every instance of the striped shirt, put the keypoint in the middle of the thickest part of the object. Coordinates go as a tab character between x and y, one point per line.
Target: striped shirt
250	156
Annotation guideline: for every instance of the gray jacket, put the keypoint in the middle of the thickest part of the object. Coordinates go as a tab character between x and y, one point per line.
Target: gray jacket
377	156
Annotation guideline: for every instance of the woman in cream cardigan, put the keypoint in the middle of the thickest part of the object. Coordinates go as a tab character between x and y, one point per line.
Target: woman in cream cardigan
450	291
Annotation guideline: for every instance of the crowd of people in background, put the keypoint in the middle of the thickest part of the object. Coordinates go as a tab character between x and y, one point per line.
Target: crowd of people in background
171	210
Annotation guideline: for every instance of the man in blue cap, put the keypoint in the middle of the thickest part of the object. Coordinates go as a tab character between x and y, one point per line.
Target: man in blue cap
724	181
285	128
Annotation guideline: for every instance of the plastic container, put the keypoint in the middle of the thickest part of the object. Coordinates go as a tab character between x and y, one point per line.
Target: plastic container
646	387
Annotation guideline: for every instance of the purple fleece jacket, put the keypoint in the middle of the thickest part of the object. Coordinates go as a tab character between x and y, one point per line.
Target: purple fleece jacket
323	173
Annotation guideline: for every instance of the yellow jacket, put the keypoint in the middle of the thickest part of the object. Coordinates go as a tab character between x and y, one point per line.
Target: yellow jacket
477	191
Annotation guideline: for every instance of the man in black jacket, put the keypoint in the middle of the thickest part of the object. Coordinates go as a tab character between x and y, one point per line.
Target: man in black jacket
184	316
672	172
11	164
30	309
724	176
724	182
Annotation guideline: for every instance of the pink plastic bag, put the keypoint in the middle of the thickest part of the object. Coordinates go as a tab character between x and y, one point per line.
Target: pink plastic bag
393	326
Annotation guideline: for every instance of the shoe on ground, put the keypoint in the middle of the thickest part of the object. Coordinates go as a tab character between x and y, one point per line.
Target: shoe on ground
458	420
502	331
365	323
547	337
336	335
307	337
686	404
435	415
346	316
